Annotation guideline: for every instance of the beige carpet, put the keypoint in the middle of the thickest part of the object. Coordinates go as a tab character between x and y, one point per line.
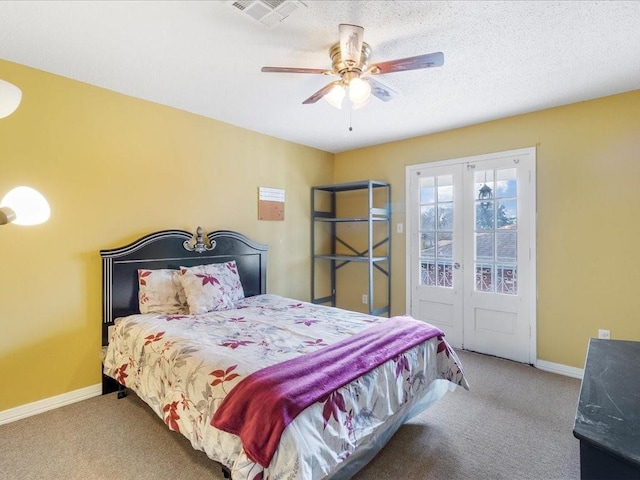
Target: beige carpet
515	423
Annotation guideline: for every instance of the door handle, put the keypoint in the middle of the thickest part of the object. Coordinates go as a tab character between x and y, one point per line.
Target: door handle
456	266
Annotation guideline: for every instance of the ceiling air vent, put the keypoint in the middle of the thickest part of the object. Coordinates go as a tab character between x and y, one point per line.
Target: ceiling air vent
267	12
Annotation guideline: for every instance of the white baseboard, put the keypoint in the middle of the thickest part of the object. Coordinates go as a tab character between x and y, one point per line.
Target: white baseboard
559	368
23	411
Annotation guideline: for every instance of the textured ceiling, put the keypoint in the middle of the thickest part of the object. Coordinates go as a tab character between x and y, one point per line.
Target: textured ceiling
501	59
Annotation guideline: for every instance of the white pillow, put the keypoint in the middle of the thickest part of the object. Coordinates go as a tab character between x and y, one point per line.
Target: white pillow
213	287
161	291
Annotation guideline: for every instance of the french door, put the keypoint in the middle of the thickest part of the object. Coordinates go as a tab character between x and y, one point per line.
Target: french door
471	251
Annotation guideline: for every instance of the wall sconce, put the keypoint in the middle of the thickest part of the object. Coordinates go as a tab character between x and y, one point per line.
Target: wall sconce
10	97
24	206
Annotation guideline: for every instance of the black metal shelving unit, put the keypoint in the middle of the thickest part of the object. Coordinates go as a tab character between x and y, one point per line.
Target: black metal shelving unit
378	211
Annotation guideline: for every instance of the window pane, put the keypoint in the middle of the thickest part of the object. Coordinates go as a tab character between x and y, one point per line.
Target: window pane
484	177
484	278
427	273
427	195
427	245
445	245
507	213
427	190
507	281
428	218
445	216
426	182
484	247
445	274
506	244
445	188
506	183
484	185
484	215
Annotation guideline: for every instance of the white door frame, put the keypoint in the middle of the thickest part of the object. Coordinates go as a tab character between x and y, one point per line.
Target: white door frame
411	169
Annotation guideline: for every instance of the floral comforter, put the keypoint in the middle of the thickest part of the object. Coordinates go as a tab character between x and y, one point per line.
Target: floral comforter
184	365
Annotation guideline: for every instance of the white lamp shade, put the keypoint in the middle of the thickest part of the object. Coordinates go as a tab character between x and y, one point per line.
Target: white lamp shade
10	97
29	206
359	90
335	96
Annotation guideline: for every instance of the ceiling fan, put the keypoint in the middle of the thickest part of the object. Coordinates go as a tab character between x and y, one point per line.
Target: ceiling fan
350	60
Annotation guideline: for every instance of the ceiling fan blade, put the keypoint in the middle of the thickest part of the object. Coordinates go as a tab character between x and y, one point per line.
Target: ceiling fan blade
410	63
322	71
382	91
320	93
350	44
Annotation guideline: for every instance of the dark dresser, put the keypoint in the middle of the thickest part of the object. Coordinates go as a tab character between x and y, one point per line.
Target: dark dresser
608	414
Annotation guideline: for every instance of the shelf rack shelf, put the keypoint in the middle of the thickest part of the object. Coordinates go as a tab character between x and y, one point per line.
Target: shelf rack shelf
329	197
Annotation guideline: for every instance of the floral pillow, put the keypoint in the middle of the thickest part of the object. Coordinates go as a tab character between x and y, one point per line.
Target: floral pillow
211	287
230	279
161	291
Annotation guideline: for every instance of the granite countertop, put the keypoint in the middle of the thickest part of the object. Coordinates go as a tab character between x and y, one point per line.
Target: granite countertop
608	413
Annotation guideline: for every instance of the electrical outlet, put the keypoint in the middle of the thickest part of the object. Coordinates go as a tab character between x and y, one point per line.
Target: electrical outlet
604	334
400	228
365	298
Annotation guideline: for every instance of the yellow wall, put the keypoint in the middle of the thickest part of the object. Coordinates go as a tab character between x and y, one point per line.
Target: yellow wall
588	168
115	168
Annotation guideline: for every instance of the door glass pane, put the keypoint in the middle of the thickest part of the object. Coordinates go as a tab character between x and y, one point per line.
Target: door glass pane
506	184
428	245
484	247
445	188
428	217
427	190
484	278
506	245
445	274
445	216
507	214
484	215
445	245
436	231
484	184
507	279
496	235
428	273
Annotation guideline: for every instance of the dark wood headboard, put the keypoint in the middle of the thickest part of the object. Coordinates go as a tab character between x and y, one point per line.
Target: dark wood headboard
173	249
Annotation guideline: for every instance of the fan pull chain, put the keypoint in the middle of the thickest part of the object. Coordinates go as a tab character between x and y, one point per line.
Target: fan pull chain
350	115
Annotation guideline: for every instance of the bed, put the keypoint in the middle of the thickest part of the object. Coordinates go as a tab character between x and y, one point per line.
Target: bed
269	387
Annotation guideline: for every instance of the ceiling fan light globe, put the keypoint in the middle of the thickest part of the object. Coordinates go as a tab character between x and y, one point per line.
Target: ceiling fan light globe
335	96
359	91
359	105
29	206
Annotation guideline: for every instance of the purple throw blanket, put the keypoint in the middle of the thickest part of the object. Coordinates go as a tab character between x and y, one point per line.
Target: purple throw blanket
260	407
